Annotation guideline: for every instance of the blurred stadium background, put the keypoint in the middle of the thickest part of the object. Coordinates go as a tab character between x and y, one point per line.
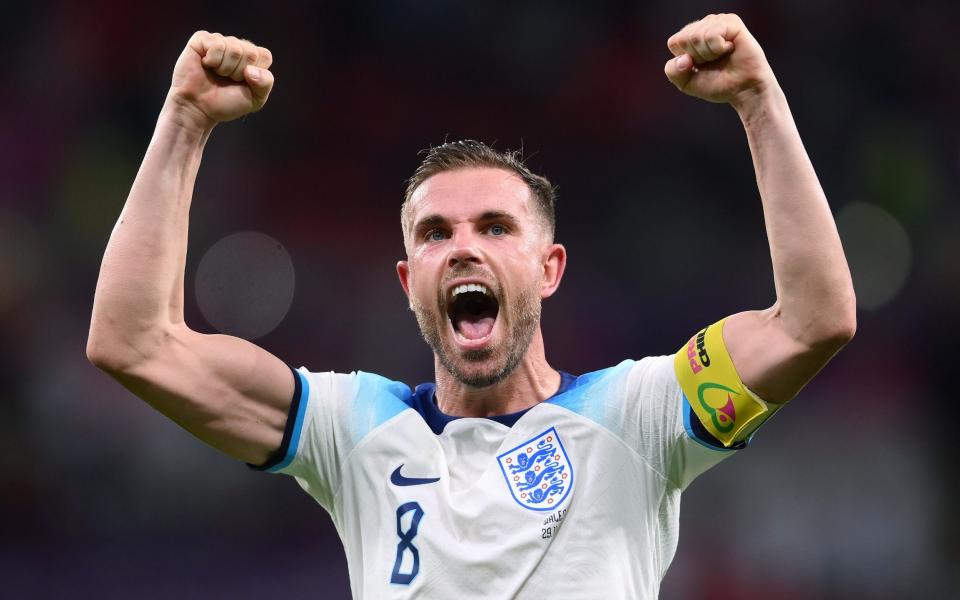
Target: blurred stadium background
850	493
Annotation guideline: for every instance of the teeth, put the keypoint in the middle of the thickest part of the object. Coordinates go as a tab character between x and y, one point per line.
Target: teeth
470	287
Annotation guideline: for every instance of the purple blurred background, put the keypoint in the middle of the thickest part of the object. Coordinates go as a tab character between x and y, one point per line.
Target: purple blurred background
849	493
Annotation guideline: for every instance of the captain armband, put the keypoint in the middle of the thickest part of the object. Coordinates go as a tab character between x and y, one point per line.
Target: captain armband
712	389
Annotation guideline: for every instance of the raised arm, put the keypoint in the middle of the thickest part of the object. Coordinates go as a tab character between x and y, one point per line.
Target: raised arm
778	350
226	391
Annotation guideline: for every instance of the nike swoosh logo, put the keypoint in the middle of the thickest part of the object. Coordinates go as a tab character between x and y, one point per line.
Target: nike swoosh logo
397	479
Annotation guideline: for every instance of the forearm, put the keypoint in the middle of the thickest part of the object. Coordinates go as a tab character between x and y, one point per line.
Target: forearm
815	298
140	289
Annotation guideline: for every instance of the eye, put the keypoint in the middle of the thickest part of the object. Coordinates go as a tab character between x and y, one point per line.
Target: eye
435	235
497	230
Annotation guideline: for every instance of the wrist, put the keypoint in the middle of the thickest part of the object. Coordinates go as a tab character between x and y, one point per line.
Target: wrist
186	117
760	102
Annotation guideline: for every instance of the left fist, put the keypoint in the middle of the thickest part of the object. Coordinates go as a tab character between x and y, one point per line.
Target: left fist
717	59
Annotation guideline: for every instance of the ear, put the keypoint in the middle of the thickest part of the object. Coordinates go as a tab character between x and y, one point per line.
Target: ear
554	262
403	272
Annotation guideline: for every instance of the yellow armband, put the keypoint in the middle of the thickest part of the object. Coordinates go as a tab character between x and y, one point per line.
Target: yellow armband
713	390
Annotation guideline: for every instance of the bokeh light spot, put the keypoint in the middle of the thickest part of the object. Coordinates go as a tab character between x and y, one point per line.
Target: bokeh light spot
244	284
878	252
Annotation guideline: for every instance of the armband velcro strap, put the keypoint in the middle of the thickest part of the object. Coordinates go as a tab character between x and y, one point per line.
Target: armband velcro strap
712	387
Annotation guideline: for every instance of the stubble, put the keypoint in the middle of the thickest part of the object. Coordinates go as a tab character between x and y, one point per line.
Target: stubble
523	318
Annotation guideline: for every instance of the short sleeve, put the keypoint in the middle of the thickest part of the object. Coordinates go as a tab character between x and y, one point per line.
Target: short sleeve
329	415
661	417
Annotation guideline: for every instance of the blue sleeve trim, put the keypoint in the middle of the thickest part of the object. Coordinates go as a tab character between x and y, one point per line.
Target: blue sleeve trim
291	432
699	433
589	395
376	401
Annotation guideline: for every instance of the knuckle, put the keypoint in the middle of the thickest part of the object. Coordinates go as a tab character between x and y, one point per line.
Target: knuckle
235	52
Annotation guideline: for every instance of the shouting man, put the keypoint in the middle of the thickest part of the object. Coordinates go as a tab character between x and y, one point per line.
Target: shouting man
505	478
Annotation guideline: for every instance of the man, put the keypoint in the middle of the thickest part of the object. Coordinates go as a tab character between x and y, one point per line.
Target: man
505	478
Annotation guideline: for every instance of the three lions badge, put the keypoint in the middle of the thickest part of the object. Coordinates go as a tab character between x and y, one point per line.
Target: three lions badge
538	472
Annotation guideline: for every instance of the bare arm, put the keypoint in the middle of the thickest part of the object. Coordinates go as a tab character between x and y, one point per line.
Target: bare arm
778	350
226	391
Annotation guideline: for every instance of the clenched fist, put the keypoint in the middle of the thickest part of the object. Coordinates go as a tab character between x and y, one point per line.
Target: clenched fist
717	59
220	78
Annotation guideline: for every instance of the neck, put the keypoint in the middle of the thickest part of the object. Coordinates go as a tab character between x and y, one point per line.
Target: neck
532	382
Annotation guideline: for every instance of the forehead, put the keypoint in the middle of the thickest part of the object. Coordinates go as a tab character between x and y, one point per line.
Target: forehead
464	193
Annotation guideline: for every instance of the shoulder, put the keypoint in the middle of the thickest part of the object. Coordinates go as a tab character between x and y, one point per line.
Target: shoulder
366	399
630	376
357	384
604	395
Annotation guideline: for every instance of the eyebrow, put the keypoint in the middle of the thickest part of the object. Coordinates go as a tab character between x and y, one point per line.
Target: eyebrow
438	220
498	215
429	221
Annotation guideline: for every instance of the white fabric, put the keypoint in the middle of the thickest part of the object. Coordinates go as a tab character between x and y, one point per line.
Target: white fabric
612	534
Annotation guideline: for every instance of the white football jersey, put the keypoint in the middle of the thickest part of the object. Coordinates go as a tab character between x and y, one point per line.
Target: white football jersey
576	497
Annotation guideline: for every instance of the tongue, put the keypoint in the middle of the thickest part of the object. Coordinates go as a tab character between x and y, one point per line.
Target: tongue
475	328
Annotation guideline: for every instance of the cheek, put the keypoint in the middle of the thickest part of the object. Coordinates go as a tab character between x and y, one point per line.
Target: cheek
427	257
531	251
527	272
423	282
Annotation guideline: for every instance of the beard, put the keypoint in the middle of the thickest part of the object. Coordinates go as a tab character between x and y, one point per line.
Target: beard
522	318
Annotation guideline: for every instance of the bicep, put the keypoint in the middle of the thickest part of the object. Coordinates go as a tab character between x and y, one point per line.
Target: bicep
772	363
226	391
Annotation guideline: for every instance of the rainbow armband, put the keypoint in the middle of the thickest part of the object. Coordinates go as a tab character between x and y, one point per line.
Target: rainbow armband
712	389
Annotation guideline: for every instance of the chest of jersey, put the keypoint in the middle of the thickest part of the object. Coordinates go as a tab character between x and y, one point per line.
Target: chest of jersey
553	505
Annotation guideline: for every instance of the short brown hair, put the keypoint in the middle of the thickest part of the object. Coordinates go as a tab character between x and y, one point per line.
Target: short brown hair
471	153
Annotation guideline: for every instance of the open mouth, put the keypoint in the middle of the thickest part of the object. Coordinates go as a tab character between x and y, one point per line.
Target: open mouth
473	310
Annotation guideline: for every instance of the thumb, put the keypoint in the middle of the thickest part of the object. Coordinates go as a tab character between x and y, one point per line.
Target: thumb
679	70
260	81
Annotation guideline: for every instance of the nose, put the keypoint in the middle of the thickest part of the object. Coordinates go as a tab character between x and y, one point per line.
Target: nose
463	249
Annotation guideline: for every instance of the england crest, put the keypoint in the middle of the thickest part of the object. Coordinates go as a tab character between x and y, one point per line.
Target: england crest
538	472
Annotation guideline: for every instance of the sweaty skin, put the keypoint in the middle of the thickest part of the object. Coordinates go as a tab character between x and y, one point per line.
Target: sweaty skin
477	225
226	391
778	350
235	396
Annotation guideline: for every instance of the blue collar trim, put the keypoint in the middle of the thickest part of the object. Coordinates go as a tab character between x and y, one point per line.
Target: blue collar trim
424	402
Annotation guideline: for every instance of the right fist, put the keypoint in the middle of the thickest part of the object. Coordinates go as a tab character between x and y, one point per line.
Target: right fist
220	78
